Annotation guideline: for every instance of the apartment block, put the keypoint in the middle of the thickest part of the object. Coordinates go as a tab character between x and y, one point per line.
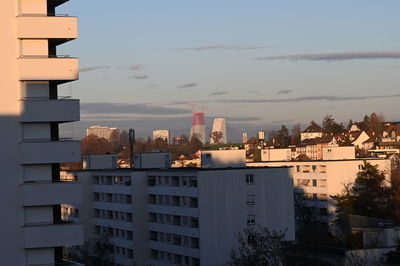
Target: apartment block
33	229
183	216
102	132
318	180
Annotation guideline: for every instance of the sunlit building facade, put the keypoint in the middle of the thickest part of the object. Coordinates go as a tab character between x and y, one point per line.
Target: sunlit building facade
33	231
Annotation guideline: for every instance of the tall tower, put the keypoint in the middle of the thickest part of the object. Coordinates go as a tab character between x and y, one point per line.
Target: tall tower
218	132
198	127
31	192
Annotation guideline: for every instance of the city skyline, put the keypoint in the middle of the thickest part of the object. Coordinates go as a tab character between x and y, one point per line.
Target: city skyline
258	65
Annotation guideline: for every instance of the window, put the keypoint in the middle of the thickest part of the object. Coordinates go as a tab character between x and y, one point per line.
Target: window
314	196
151	181
314	167
249	179
250	199
298	168
251	219
323	211
314	182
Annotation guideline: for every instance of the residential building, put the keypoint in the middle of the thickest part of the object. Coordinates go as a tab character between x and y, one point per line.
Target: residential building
152	160
163	134
218	132
102	132
270	154
186	216
338	153
311	132
33	231
244	137
318	180
102	161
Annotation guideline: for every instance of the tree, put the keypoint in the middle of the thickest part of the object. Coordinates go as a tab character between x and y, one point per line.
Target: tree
115	143
310	228
375	126
349	124
282	137
93	145
370	195
97	251
216	136
259	246
330	126
295	134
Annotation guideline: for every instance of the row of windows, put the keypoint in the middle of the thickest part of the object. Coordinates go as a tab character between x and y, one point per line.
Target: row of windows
313	169
174	258
311	182
124	252
316	196
177	220
113	215
112	197
112	180
178	240
173	181
113	232
180	201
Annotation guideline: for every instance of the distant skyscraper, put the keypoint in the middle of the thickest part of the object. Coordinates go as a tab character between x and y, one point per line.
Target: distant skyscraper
198	128
219	125
244	137
161	134
261	135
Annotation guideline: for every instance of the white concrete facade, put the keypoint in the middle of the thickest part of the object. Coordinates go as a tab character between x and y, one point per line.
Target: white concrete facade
219	125
184	216
102	132
32	228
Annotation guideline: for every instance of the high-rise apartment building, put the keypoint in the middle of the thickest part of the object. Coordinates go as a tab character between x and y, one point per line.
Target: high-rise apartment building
186	216
102	132
31	191
162	134
218	132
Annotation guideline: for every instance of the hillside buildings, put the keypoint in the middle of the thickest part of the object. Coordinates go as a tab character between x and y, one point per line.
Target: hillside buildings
33	230
185	216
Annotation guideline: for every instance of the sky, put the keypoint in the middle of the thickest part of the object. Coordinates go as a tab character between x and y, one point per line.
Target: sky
259	64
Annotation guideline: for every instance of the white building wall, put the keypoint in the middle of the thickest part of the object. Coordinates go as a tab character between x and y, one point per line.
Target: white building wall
224	210
338	153
276	155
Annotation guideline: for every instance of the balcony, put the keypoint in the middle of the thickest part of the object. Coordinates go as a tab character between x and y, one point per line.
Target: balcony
51	193
46	110
53	235
47	27
45	68
46	151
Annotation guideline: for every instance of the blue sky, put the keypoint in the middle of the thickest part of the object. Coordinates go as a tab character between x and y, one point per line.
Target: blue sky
260	64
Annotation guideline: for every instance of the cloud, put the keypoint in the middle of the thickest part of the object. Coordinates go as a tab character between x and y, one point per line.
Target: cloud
223	47
138	77
131	67
93	68
187	85
309	98
217	93
243	119
336	56
284	92
124	108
